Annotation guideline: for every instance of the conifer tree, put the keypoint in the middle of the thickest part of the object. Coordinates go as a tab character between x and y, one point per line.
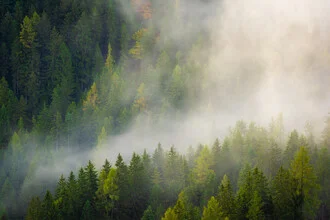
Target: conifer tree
48	209
34	211
87	211
306	187
226	198
213	210
255	210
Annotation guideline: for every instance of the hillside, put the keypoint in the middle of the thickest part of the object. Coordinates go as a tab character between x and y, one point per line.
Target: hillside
92	86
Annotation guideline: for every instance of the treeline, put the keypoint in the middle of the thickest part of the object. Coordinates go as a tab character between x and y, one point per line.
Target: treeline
247	176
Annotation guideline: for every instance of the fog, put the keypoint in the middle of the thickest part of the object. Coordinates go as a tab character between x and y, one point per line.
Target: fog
263	58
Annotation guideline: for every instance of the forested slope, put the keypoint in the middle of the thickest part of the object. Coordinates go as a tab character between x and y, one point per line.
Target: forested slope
75	74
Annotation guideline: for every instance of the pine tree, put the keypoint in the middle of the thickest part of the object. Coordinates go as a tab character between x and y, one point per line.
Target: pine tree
48	208
173	175
61	197
226	198
148	214
138	189
283	194
122	181
255	209
91	180
170	214
111	192
72	186
213	210
322	169
28	33
87	211
216	154
306	187
34	211
82	188
291	148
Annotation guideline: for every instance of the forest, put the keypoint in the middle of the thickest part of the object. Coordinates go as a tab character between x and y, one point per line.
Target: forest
75	75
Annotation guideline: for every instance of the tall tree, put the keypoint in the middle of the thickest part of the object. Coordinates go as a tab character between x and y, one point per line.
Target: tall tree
48	208
213	210
255	210
283	194
226	198
306	187
34	209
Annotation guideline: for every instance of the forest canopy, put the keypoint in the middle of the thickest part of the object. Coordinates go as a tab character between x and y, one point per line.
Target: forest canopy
89	87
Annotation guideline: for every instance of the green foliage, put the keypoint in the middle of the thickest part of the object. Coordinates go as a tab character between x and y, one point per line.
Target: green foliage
34	209
212	211
305	184
170	214
255	210
226	198
283	191
48	208
28	33
87	211
148	214
75	72
110	190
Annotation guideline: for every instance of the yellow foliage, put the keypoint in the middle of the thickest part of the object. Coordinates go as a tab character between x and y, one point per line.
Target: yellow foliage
137	51
91	99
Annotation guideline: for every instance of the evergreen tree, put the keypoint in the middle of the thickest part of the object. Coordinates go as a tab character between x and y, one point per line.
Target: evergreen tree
110	190
255	210
212	211
283	194
226	198
170	214
139	194
48	209
87	211
61	197
72	186
34	210
91	181
291	148
82	188
305	185
148	214
122	181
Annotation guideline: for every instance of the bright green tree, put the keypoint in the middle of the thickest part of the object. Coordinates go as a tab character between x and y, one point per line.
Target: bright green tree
306	187
111	191
213	210
255	210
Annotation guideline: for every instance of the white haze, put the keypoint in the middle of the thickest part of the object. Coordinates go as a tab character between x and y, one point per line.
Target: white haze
283	45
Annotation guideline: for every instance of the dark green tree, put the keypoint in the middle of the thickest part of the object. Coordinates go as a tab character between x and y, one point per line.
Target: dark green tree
35	209
48	208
